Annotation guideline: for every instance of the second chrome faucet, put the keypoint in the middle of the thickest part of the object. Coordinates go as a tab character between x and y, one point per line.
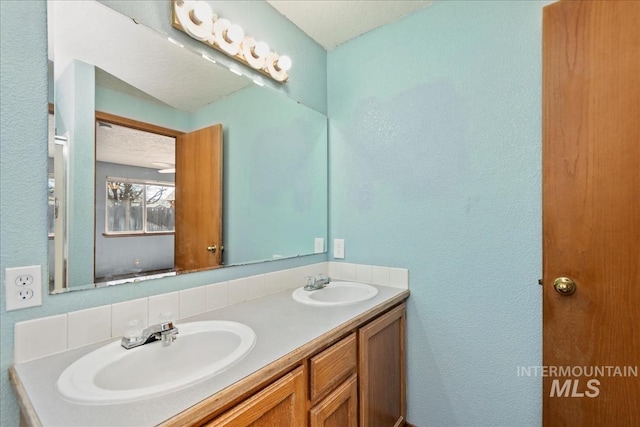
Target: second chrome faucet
315	283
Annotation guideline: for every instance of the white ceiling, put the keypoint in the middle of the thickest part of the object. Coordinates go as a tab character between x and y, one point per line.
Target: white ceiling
118	144
333	22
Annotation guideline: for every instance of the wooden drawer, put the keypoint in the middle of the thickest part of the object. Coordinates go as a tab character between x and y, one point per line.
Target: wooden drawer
332	366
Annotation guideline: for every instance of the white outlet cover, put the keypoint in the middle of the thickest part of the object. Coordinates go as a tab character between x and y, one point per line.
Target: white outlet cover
318	245
338	248
23	287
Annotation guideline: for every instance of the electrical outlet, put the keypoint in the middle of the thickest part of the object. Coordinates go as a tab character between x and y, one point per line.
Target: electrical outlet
318	245
338	248
25	294
23	287
24	280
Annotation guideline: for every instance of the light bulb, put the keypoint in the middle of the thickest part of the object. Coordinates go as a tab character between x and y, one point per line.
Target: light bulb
284	63
261	49
201	12
235	33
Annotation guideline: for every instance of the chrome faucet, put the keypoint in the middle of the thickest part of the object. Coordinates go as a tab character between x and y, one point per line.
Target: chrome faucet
164	331
319	282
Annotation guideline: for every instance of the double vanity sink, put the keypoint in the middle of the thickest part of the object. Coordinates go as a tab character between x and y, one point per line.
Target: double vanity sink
218	357
112	374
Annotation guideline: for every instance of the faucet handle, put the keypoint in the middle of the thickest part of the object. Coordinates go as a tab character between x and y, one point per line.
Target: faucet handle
166	326
133	330
323	279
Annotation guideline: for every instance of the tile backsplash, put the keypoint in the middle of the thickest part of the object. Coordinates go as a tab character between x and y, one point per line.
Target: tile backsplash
48	335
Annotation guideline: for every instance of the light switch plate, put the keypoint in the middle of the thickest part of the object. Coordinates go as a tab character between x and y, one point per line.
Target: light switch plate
338	248
23	287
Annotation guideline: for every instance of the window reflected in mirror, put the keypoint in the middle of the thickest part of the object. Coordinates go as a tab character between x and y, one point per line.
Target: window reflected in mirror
139	207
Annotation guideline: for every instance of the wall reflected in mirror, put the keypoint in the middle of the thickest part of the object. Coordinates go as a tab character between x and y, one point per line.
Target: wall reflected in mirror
118	208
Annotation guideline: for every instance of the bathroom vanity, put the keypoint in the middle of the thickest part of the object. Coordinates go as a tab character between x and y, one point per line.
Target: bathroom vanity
311	365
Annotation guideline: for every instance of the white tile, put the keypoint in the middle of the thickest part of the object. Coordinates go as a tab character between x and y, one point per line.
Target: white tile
399	278
237	291
89	326
323	267
164	307
193	301
255	287
335	270
124	312
217	295
348	272
287	279
363	273
39	337
272	283
380	275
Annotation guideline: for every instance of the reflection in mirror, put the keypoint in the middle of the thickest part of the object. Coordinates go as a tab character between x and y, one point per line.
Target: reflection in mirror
273	155
134	199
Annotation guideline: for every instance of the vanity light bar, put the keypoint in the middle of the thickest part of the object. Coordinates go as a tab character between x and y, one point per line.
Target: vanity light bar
195	18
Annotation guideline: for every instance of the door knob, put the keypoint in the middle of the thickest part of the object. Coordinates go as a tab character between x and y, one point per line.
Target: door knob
564	286
211	248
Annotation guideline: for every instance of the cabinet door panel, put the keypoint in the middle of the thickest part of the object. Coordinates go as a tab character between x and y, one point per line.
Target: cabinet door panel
339	409
280	404
381	370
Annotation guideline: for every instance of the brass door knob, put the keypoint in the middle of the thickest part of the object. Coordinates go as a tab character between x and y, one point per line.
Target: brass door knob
212	248
564	286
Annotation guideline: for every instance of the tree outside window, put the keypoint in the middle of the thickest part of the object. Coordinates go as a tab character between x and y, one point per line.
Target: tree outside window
139	207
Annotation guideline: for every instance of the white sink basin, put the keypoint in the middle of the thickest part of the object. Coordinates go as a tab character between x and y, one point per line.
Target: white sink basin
112	374
336	293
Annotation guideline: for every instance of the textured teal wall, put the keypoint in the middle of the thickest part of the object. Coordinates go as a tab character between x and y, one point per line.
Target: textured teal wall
435	163
23	167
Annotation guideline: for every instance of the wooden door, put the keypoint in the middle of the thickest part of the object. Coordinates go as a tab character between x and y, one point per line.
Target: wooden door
339	409
591	212
280	404
198	237
381	370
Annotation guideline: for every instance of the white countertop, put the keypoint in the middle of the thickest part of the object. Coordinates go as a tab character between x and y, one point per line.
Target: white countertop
281	326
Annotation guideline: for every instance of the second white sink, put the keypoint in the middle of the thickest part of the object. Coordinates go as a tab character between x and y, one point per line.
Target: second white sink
112	374
336	293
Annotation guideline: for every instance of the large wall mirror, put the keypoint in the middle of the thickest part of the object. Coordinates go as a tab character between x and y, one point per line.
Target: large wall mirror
143	132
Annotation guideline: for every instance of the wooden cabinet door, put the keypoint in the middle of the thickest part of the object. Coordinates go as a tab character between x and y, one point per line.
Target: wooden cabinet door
199	200
591	212
283	403
381	370
339	409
